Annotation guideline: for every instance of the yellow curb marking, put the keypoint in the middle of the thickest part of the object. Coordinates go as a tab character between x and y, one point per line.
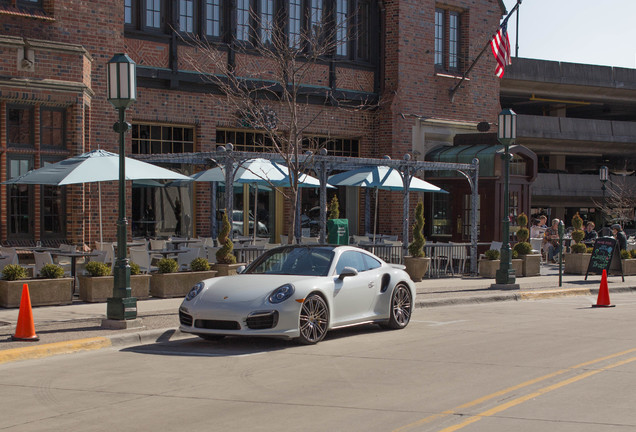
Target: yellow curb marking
47	350
480	400
528	295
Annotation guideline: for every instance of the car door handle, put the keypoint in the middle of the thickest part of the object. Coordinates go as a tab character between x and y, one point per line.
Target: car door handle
371	284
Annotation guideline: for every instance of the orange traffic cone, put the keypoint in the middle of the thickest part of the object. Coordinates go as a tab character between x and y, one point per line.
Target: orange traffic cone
25	328
603	299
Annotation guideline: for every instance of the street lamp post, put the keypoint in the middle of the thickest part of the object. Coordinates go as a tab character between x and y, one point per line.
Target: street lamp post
506	134
603	175
122	91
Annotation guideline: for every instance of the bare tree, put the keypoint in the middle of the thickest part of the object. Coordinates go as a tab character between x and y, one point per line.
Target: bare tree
619	202
264	84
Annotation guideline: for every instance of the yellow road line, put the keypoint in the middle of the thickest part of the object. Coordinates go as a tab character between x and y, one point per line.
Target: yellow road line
499	408
46	350
509	390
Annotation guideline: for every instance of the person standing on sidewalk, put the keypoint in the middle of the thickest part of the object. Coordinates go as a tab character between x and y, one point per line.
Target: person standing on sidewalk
551	239
620	236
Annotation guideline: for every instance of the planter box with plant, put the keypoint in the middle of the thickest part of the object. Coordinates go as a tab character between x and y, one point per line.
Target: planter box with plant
98	285
530	263
417	263
629	262
51	289
578	260
169	282
488	267
225	260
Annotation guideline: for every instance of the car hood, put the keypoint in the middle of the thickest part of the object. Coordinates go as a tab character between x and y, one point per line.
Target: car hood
248	287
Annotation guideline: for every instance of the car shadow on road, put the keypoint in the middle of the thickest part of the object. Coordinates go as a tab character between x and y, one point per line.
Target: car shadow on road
235	346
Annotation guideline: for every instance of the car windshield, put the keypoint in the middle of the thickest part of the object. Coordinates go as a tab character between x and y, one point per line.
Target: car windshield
291	260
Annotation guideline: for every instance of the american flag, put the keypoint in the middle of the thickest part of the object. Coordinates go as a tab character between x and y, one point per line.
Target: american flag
501	49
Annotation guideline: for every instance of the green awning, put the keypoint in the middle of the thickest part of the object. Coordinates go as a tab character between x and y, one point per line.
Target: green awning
465	154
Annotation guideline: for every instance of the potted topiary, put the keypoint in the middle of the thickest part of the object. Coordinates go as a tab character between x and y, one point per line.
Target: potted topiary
225	261
337	229
417	263
51	288
531	263
629	262
488	267
170	282
577	261
97	284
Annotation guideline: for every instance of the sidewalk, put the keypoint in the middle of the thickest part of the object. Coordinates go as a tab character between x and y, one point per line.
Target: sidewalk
78	326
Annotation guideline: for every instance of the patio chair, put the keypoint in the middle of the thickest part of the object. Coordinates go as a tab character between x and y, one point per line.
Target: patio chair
184	259
211	254
459	256
109	248
357	239
62	260
207	241
44	258
141	257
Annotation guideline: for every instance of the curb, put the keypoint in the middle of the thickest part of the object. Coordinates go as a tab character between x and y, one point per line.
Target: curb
91	344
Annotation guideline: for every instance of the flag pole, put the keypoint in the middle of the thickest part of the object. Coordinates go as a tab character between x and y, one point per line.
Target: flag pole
453	90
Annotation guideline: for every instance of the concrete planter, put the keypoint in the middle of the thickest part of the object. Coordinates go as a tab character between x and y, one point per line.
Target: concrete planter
226	269
99	289
517	265
416	267
629	267
43	292
531	264
166	285
576	263
488	268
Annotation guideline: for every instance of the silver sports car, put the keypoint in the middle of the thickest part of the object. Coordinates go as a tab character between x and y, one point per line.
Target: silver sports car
301	292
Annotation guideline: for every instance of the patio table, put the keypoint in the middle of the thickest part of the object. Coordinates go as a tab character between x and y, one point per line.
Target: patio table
167	252
73	255
177	243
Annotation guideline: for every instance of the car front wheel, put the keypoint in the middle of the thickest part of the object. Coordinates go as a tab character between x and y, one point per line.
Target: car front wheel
314	320
401	308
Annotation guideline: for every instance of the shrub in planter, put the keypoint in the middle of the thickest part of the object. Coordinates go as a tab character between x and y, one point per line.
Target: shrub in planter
416	247
578	248
334	208
589	250
167	265
625	254
199	264
632	254
492	254
96	268
51	271
578	235
522	247
134	269
13	272
224	255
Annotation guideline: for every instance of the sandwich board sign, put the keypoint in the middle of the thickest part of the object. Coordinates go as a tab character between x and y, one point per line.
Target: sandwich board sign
606	255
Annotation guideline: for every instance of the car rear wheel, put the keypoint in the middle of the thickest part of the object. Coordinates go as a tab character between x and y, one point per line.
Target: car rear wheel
314	320
401	308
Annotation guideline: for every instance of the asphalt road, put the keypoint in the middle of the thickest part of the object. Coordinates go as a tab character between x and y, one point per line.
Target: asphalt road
548	365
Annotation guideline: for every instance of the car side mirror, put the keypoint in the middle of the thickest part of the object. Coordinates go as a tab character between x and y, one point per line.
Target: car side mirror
347	272
240	269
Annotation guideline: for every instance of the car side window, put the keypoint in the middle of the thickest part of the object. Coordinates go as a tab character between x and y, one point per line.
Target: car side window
371	262
351	259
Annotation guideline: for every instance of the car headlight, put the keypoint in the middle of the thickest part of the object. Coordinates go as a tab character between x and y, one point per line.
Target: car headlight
196	289
281	293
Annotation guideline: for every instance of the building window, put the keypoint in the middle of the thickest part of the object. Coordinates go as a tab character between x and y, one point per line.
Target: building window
267	20
363	50
295	23
52	128
315	18
20	126
342	27
213	18
441	215
19	199
128	11
517	165
186	16
447	40
29	3
153	14
243	20
334	146
53	210
157	139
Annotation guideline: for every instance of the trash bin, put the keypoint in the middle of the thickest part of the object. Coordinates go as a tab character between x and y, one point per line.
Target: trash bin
338	231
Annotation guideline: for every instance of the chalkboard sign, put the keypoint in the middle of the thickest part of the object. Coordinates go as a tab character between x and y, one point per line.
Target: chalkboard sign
605	256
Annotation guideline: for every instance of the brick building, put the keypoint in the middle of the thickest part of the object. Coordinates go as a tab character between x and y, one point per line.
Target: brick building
403	58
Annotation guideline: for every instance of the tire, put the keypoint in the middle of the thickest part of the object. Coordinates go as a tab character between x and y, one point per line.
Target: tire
401	308
211	337
313	320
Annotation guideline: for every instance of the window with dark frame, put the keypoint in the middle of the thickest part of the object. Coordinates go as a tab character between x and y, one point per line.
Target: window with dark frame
316	17
157	139
362	30
243	20
20	126
447	40
186	16
52	127
213	18
29	3
153	14
52	210
19	199
342	27
266	9
128	12
295	23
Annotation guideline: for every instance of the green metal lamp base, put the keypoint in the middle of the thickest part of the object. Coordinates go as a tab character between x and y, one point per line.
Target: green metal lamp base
505	276
121	308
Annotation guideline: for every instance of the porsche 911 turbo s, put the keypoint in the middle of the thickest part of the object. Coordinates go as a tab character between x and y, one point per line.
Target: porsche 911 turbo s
300	292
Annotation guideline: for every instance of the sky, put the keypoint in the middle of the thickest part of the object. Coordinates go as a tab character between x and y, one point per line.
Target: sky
600	32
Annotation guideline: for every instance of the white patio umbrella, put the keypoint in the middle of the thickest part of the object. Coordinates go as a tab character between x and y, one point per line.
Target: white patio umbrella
256	172
94	166
380	177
